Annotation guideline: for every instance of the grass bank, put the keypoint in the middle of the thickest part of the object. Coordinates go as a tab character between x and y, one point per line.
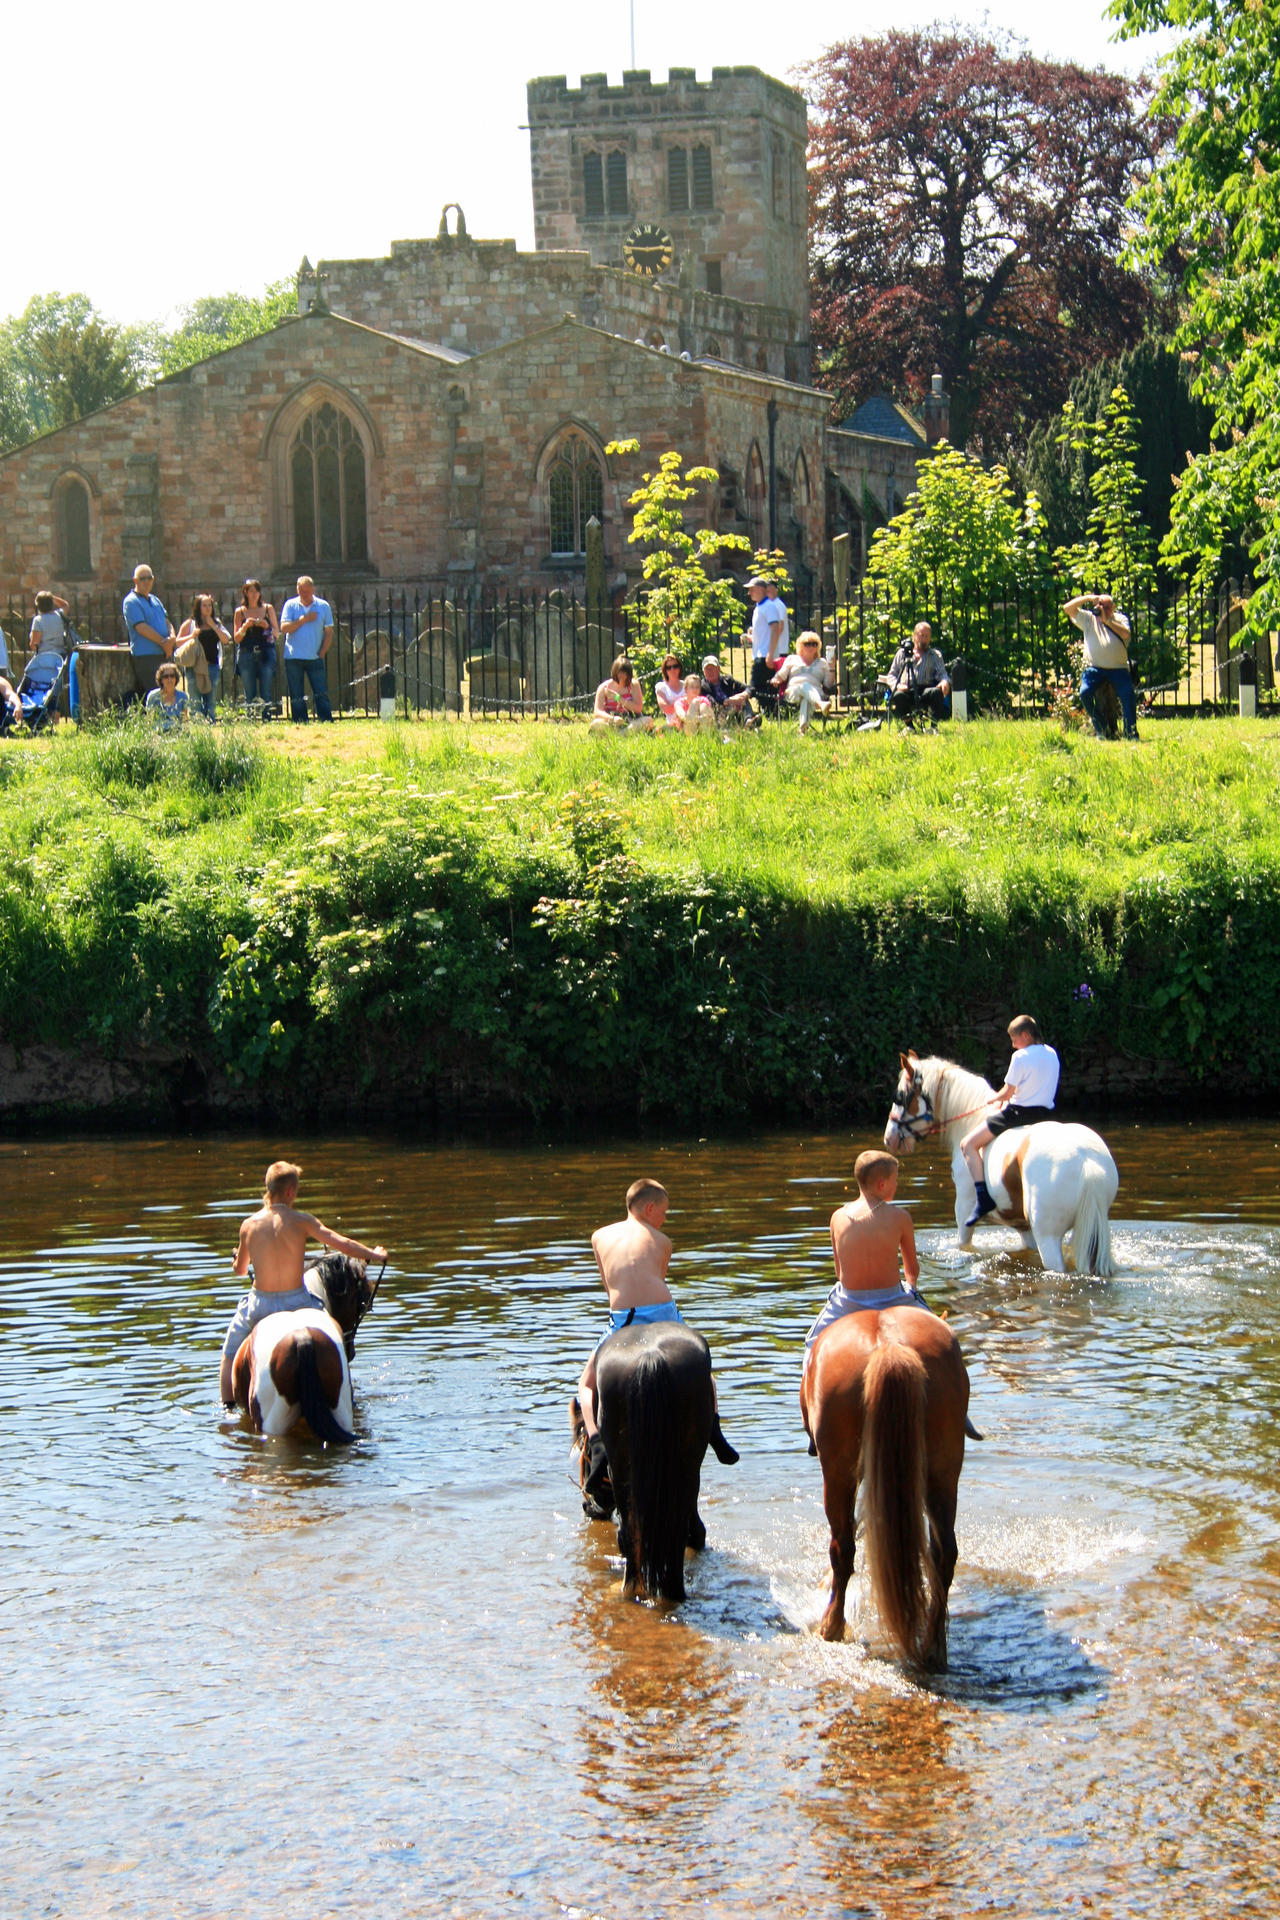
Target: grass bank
524	918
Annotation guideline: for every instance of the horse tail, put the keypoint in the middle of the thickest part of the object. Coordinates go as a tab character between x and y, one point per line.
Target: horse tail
894	1387
316	1410
1091	1230
658	1478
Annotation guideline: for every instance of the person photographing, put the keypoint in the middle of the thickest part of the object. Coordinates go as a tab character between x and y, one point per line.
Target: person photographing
1106	634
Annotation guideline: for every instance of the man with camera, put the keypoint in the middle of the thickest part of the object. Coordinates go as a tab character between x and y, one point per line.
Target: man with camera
1106	658
918	682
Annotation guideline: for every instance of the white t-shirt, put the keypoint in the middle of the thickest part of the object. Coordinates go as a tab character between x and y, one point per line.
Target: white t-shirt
1101	646
1033	1075
666	696
762	621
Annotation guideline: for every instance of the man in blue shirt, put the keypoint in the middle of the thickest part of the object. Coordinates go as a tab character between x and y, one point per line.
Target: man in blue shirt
151	636
307	626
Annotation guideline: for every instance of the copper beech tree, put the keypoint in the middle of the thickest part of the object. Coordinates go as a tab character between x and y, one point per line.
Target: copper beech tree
968	215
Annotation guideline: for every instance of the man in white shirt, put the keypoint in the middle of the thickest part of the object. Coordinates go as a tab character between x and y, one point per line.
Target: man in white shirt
1106	657
769	637
1029	1091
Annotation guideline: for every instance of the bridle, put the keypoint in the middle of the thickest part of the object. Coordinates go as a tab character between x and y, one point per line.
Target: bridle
918	1126
913	1126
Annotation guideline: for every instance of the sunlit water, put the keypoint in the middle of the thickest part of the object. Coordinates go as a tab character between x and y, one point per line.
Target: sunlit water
248	1677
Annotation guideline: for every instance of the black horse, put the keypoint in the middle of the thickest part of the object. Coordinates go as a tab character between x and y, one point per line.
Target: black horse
657	1415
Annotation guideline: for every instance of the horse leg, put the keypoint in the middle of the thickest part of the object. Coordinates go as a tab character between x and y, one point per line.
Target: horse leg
1049	1247
839	1492
940	1503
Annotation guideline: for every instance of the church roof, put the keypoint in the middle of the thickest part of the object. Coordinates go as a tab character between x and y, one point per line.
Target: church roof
883	419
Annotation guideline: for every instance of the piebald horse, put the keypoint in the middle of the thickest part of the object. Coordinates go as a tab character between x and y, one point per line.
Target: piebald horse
1047	1180
884	1398
294	1366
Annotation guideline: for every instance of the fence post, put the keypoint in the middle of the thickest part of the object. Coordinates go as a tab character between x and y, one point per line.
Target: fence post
1248	687
959	690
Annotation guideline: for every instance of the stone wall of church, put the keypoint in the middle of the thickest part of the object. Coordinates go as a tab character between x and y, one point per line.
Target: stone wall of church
195	476
752	237
471	295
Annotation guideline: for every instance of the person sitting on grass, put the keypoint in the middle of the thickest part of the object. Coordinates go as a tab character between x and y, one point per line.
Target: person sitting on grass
166	702
668	689
10	707
731	700
620	701
804	678
694	711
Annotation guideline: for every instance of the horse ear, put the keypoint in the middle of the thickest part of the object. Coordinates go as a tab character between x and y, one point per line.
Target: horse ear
906	1059
912	1055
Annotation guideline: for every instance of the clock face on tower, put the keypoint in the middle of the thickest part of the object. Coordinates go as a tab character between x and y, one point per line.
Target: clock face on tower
648	250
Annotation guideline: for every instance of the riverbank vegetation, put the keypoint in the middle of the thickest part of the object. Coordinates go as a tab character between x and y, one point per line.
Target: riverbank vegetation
527	919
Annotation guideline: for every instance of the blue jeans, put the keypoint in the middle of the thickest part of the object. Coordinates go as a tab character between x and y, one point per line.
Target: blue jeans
296	672
257	673
1122	680
202	703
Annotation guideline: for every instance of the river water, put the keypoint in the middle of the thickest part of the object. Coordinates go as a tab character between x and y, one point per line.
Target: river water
250	1677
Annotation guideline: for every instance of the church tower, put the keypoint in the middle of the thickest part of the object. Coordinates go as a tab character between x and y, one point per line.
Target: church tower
698	182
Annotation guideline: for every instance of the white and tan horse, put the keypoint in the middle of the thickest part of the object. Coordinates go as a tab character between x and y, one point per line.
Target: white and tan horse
1047	1181
295	1366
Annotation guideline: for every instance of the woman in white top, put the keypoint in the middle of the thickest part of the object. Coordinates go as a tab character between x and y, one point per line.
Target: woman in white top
803	675
668	688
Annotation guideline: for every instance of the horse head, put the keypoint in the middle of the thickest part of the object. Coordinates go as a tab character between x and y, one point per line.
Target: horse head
911	1115
347	1293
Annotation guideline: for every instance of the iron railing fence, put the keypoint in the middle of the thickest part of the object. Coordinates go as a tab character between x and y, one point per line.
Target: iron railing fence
491	653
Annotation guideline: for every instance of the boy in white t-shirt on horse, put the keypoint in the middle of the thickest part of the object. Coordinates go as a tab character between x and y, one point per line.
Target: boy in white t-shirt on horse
1029	1091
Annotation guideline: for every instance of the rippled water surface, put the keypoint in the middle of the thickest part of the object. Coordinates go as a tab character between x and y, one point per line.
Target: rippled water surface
248	1677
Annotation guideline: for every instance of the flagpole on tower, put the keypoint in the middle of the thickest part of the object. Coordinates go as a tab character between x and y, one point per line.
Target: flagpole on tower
633	35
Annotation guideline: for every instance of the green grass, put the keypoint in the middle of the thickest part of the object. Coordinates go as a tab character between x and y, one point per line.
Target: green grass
513	908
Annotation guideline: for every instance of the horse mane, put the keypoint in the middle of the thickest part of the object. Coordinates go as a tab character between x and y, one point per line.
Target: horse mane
953	1091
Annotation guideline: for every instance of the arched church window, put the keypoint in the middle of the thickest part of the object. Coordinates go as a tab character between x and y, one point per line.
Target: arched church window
330	512
71	528
575	492
800	483
757	497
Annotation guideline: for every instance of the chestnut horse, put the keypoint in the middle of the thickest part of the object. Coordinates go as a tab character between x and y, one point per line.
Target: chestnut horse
657	1411
884	1398
294	1366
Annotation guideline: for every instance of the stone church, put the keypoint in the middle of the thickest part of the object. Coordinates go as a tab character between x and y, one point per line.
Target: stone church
442	415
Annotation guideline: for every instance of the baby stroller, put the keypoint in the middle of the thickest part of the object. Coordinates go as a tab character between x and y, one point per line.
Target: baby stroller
39	688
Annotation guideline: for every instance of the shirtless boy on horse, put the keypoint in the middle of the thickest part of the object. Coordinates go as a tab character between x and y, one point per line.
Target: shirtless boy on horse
273	1243
868	1238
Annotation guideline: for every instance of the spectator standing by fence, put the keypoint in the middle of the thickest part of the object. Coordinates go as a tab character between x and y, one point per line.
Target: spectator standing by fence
1106	658
151	635
307	625
256	630
207	633
49	628
768	637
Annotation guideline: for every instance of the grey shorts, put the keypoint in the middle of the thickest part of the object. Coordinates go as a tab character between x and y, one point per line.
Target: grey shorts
256	1306
840	1301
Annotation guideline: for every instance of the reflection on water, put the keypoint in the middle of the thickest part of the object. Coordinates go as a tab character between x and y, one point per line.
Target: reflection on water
255	1676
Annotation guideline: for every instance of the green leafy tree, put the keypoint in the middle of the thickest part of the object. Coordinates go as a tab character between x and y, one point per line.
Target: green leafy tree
965	555
1214	201
683	606
60	359
1117	552
1169	423
217	321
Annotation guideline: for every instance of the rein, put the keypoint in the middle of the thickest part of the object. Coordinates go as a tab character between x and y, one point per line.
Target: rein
919	1126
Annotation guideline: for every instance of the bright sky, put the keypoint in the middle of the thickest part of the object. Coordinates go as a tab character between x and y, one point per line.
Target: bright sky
165	153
